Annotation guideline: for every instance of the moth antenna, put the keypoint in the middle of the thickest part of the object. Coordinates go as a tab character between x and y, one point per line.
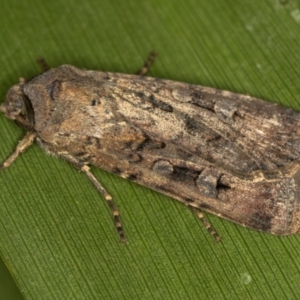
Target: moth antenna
27	141
147	64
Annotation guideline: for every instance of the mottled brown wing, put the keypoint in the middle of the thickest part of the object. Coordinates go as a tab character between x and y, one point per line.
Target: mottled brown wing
232	155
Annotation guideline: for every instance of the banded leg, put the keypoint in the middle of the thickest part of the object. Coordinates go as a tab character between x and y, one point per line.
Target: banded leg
27	141
101	190
147	64
207	225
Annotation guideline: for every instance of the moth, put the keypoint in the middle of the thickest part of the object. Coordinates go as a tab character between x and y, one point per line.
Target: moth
231	155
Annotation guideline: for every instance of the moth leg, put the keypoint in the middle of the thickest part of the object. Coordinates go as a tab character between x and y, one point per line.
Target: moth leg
101	190
27	141
109	200
207	225
43	64
147	64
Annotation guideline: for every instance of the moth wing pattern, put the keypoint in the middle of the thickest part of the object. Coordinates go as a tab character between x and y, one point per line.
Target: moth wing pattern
232	155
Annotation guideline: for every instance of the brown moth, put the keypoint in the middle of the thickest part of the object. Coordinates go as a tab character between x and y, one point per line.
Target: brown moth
232	155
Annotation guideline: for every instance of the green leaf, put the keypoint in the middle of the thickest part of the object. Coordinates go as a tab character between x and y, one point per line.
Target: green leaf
56	232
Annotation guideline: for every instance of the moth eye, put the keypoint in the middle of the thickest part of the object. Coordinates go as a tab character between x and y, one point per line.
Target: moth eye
14	103
53	88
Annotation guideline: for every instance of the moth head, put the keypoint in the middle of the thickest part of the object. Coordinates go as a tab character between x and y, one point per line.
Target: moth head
17	106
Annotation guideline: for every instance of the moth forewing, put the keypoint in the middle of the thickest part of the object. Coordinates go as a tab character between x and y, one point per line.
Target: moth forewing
231	155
